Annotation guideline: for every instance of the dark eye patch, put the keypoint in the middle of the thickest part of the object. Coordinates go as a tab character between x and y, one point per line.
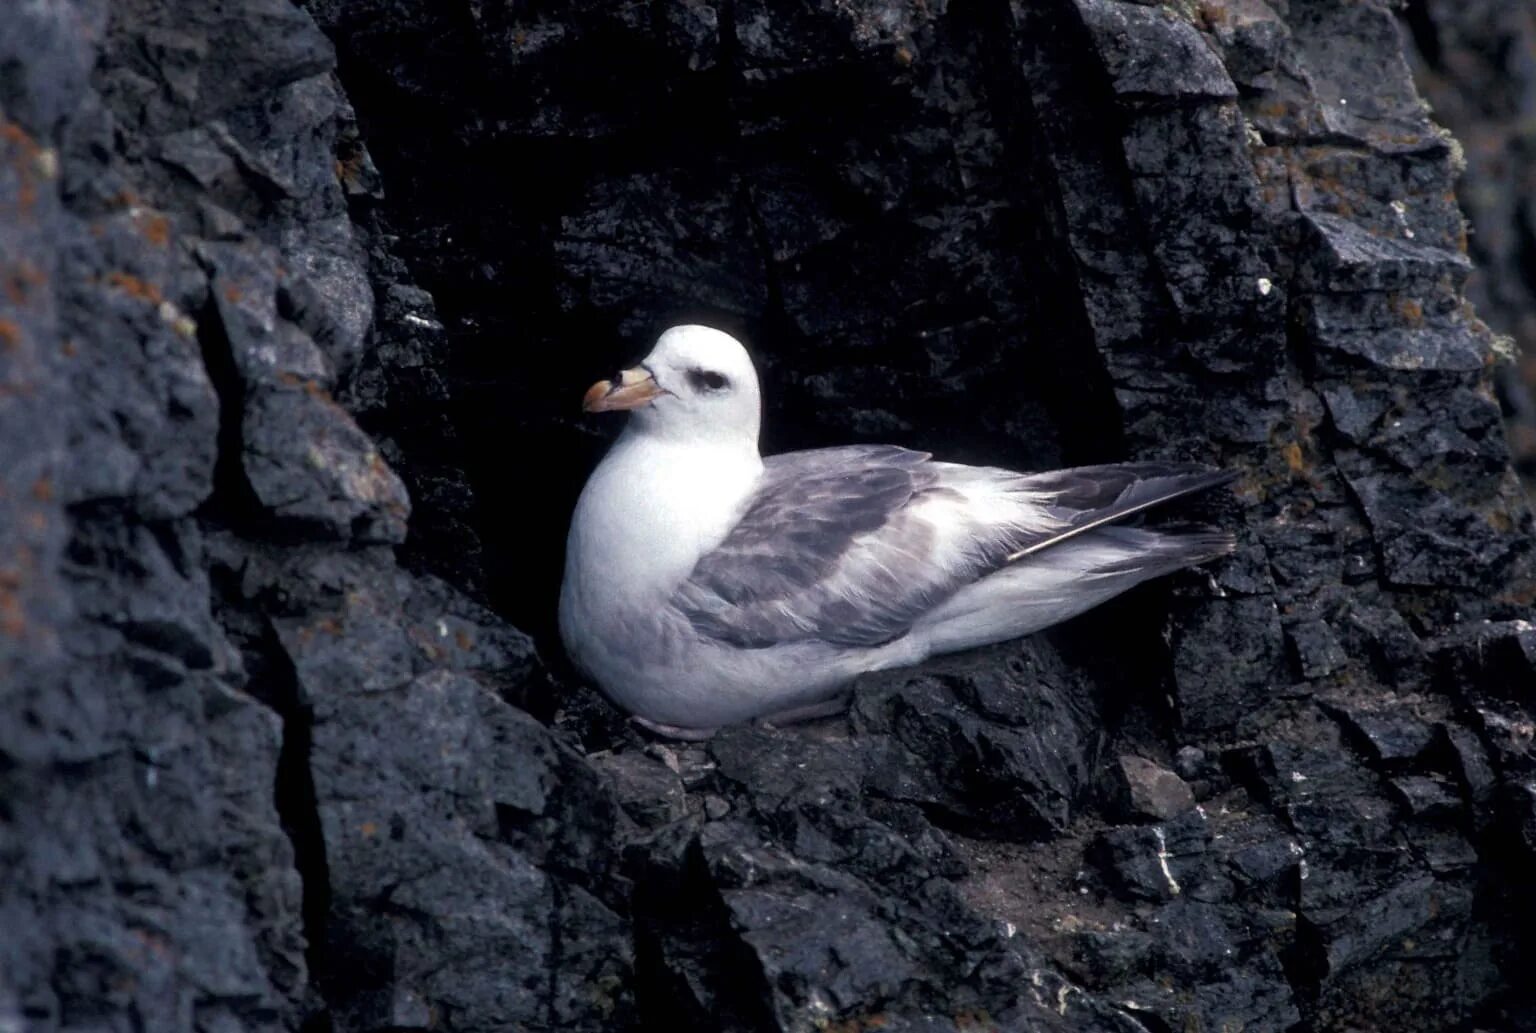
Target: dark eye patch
706	380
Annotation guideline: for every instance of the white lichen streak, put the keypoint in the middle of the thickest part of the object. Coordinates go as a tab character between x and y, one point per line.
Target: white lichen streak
1300	854
1162	860
1402	217
415	320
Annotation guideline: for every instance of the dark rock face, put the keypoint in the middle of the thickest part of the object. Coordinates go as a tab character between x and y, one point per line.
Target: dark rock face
1476	65
289	296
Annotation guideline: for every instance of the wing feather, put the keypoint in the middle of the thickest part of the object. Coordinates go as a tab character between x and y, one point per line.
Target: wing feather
851	546
1100	495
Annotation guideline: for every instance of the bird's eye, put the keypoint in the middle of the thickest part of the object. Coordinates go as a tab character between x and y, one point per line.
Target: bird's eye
706	380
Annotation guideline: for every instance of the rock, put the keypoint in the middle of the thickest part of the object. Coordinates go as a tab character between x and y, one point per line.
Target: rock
304	458
1318	650
477	764
1191	762
1471	61
650	793
1392	738
1214	695
1427	797
1157	862
1146	790
1001	740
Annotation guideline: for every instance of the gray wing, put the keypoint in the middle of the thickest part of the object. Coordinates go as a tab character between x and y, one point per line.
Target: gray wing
841	545
827	549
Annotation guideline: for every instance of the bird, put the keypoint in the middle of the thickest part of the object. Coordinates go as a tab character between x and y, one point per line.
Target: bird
706	585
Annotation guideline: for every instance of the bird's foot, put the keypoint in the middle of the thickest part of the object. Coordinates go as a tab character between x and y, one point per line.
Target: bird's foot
673	731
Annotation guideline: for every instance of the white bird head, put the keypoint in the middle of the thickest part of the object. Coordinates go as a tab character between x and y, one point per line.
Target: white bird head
697	384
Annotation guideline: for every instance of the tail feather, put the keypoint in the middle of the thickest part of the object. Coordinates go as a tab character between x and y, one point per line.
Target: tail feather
1115	494
1163	552
1060	584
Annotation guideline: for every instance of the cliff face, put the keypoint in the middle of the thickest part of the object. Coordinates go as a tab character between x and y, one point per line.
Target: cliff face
297	306
1476	65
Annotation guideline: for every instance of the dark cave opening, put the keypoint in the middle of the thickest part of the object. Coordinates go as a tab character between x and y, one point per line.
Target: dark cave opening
680	206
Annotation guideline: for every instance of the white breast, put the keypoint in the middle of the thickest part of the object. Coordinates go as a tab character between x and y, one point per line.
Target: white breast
650	510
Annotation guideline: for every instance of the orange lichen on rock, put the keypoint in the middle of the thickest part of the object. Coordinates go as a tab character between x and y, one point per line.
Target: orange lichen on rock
348	169
309	385
25	162
1295	459
19	281
10	335
1411	309
156	228
13	622
18	137
1520	594
135	287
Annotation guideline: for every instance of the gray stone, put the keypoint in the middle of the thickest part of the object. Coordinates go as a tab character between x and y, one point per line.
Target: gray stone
1148	790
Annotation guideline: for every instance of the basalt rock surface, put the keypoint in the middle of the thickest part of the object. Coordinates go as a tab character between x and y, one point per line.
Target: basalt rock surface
298	301
1475	63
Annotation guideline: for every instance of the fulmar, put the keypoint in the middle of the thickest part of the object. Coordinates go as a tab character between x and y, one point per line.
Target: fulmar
707	585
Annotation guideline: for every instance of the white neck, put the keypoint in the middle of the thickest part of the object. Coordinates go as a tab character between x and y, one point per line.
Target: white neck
653	507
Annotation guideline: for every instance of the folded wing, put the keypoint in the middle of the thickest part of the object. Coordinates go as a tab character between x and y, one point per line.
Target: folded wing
853	545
